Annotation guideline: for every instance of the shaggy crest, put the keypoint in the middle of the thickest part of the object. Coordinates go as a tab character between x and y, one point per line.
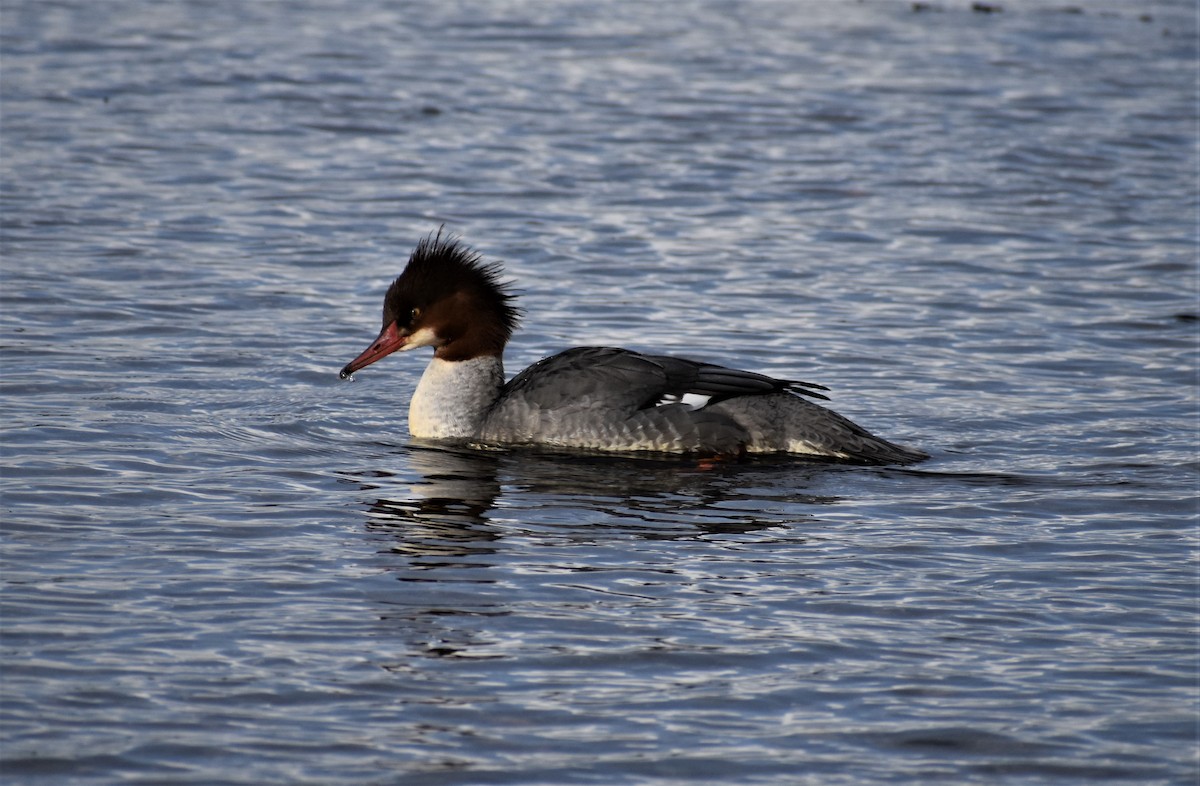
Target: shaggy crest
440	266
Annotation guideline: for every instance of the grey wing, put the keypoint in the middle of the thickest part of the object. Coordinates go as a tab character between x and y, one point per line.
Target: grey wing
591	377
607	399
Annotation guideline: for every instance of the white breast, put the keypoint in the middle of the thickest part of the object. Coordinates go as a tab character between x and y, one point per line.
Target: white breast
453	396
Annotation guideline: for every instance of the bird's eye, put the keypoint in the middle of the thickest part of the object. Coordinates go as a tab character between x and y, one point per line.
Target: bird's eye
414	315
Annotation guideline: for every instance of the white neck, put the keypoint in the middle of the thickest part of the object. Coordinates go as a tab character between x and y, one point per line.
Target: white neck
453	397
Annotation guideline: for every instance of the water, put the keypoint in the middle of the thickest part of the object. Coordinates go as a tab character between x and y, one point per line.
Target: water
221	564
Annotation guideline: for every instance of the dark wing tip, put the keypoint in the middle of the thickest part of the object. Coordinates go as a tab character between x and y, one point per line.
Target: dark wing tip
809	389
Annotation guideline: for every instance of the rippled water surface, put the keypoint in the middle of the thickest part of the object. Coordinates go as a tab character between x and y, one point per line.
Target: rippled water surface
221	564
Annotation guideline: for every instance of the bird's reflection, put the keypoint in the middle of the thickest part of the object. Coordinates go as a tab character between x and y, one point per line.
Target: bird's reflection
456	502
442	515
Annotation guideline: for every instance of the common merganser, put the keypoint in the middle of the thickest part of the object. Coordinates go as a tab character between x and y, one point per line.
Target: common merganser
587	398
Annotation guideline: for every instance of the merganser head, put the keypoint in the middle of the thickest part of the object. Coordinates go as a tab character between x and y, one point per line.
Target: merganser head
447	298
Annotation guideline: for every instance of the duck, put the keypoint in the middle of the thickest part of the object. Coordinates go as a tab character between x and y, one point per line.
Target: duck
593	398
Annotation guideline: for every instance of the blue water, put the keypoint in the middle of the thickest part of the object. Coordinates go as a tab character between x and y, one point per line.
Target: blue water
221	564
